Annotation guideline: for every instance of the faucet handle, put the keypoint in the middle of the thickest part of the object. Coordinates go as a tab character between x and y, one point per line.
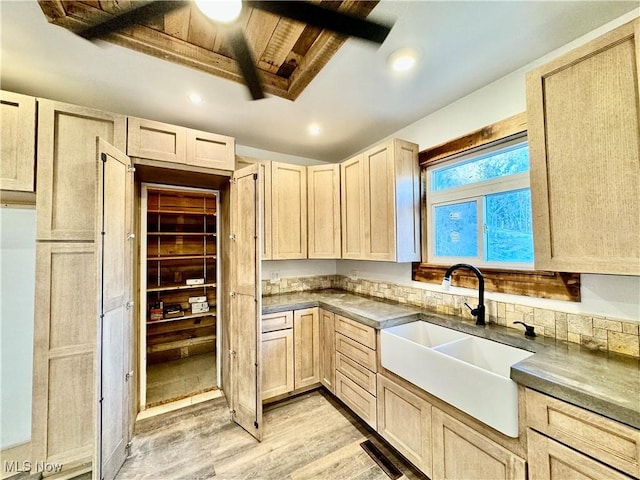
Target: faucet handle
529	329
474	311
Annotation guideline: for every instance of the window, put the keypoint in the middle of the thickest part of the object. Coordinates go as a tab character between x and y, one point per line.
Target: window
479	207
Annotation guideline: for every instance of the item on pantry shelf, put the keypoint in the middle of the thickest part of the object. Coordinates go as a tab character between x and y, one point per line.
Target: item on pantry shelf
199	307
156	311
197	299
195	281
173	311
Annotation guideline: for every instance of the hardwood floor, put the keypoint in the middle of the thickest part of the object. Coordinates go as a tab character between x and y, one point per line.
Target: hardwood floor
311	436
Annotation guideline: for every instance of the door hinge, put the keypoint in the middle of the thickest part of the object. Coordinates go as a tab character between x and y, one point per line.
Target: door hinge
131	169
232	294
127	448
130	304
232	353
232	412
232	237
255	176
128	376
131	236
232	180
255	424
103	157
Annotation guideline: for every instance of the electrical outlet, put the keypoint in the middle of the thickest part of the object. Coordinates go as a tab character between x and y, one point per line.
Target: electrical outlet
354	275
275	277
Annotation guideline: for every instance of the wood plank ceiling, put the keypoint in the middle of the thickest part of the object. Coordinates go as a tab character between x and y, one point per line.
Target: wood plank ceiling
288	54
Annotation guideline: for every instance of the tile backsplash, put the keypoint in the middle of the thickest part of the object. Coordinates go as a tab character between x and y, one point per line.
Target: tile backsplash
595	332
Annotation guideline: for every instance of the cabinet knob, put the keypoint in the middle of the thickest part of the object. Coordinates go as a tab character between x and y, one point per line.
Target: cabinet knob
130	304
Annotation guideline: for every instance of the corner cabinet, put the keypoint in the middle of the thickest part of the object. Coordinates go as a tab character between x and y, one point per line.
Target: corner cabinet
180	262
170	143
17	142
583	114
381	204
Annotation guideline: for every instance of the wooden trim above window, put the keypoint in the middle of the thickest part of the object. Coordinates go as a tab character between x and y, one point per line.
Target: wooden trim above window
491	133
541	284
551	285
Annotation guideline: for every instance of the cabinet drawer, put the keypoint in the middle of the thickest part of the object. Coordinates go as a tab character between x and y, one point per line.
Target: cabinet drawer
356	331
357	399
357	373
277	321
355	351
607	440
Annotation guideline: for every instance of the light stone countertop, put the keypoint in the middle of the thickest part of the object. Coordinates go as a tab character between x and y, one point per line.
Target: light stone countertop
603	382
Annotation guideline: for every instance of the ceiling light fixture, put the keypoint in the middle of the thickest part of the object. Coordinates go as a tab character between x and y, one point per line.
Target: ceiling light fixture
195	98
314	129
225	11
403	59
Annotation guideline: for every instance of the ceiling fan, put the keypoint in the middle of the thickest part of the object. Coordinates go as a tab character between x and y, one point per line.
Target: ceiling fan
301	11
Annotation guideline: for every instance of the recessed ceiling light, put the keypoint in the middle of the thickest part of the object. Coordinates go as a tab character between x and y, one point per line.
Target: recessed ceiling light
403	60
195	98
225	11
314	129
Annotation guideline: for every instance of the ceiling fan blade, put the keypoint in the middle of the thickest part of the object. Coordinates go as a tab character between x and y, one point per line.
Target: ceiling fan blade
243	57
129	18
322	17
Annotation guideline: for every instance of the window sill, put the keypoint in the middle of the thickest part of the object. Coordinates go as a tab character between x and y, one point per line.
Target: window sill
540	284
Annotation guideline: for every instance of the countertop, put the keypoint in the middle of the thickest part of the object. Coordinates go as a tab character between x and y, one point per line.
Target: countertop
603	382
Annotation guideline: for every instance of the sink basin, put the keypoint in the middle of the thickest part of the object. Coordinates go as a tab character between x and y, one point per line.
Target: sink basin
468	372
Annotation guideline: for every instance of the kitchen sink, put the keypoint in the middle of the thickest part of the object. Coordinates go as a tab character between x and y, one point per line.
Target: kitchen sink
468	372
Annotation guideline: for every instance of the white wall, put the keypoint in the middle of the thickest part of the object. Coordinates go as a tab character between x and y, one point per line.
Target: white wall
17	284
245	151
609	295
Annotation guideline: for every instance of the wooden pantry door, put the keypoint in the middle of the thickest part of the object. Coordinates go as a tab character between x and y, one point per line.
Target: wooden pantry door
115	312
245	399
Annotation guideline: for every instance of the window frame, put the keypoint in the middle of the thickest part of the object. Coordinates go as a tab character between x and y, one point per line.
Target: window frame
473	192
535	283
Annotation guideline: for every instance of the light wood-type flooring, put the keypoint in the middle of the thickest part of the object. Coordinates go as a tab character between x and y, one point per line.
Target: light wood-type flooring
311	436
181	378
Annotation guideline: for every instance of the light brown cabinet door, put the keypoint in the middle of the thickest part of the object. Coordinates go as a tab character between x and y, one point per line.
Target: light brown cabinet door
17	142
115	185
352	208
323	195
288	211
277	363
550	460
327	349
306	333
379	203
461	452
245	397
156	140
66	173
404	420
210	150
583	114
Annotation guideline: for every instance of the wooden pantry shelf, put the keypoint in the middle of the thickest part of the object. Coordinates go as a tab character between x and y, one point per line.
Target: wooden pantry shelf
181	212
180	257
161	347
167	288
190	316
181	234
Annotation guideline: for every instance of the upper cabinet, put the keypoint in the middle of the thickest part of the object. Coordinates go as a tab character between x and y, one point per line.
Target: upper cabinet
323	203
17	142
170	143
381	204
67	172
583	116
288	211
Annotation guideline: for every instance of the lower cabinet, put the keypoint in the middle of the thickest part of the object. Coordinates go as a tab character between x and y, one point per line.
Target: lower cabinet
277	363
404	420
461	452
306	338
327	350
550	460
290	351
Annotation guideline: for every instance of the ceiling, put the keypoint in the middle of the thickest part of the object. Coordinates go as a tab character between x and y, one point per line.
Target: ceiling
355	99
